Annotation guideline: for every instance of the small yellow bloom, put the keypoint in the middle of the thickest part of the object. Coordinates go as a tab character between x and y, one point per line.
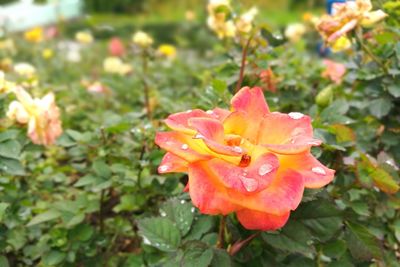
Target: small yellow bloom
84	37
34	35
245	22
218	12
142	39
341	44
115	65
6	64
167	50
190	15
25	70
47	53
7	45
5	86
295	31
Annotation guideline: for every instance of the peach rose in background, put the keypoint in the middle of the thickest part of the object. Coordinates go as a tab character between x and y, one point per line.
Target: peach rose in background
246	160
116	47
334	71
346	17
41	115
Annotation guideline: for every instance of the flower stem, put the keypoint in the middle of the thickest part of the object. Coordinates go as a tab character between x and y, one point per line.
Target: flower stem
145	85
221	233
243	64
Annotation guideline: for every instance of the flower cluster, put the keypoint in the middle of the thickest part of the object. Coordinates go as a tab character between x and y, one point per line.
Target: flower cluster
224	24
247	160
115	65
346	17
40	114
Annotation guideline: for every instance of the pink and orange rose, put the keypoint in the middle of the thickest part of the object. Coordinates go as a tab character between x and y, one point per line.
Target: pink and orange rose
246	160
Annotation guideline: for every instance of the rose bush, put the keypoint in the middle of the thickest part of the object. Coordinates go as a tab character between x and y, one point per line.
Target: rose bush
247	160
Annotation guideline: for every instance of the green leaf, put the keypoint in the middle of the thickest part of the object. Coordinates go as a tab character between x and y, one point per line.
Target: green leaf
9	134
384	181
4	261
160	233
196	254
334	249
362	244
394	89
130	202
221	258
44	217
321	217
180	212
3	208
10	149
219	85
294	237
53	258
11	166
101	168
380	107
201	226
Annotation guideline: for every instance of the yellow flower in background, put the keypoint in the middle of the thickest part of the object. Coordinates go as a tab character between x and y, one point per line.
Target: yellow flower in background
295	31
47	53
167	50
41	114
25	70
190	15
7	45
6	64
218	13
84	37
341	44
5	86
245	22
115	65
142	39
34	35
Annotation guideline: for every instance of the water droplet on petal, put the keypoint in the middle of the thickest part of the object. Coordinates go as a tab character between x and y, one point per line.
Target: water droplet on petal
237	149
313	143
249	184
199	136
318	170
210	112
264	169
296	115
184	146
163	168
188	111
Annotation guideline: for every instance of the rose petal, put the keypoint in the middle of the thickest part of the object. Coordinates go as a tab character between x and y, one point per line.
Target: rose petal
180	121
286	133
282	195
343	30
208	128
207	194
183	146
172	163
251	101
255	220
246	180
315	174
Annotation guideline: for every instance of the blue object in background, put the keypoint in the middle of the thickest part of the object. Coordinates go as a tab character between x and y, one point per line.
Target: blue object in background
329	4
322	50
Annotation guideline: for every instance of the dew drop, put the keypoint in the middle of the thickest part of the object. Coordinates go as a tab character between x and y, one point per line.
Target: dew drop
318	170
210	112
188	111
237	149
264	169
313	143
192	209
183	201
296	115
184	146
163	168
199	136
163	213
146	241
249	184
